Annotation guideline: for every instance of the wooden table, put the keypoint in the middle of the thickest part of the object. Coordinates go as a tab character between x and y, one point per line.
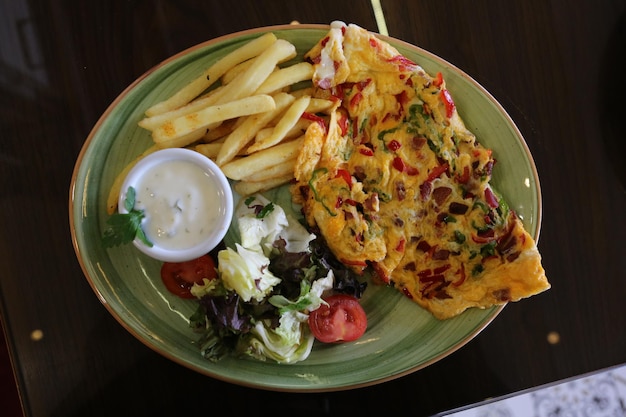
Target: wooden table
556	66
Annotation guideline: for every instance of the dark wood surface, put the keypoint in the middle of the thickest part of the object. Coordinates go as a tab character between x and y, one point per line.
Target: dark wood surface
555	65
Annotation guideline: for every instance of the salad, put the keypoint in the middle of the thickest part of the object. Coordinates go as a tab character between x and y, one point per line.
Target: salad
271	292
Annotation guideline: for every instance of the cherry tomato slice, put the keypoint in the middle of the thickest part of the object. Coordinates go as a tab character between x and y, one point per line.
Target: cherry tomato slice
342	320
179	277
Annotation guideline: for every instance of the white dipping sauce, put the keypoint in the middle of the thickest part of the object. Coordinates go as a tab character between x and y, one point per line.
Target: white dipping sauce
180	202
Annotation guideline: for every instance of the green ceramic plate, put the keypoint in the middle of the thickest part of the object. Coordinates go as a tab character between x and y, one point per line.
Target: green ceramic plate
401	338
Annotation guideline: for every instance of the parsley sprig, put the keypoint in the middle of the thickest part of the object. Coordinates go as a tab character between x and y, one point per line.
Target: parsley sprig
125	227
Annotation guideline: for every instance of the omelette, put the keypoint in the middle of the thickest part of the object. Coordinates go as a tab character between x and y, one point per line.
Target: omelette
396	184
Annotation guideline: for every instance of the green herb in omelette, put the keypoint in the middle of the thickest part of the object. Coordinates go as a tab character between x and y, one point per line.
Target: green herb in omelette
125	227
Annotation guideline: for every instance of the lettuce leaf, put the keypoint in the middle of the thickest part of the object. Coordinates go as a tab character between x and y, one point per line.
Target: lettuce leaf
290	342
246	272
269	281
260	228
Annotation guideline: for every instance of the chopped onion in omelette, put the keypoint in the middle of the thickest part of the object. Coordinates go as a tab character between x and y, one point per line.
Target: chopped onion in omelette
398	183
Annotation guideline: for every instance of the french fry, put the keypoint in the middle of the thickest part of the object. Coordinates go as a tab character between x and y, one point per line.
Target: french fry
278	170
298	130
210	150
245	188
116	187
251	79
319	105
259	161
232	73
308	91
288	121
220	132
213	73
186	139
151	123
285	77
170	131
246	131
250	124
264	133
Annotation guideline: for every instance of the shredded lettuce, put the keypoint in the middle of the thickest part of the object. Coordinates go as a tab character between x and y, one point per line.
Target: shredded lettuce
206	288
260	232
310	296
246	272
289	343
267	284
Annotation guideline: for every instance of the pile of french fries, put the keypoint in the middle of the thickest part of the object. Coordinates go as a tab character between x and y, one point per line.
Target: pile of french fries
243	112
